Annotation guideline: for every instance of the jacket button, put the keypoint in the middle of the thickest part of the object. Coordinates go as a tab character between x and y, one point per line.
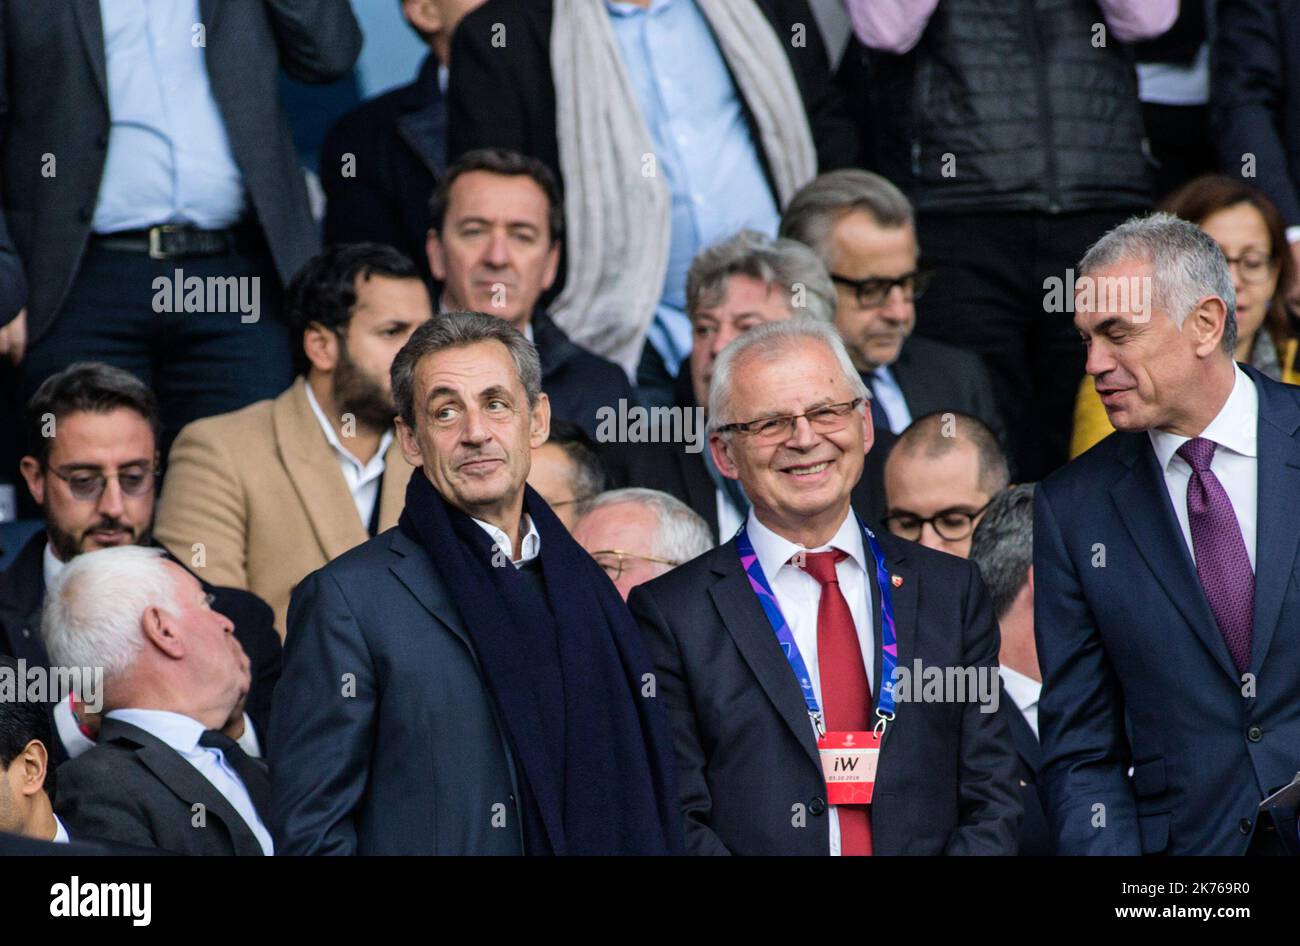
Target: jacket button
1244	825
27	632
817	806
1254	734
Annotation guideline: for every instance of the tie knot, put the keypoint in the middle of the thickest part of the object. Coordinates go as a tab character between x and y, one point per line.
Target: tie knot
215	739
1198	452
821	565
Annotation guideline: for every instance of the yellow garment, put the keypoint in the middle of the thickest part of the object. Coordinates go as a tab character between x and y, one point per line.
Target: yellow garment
1091	425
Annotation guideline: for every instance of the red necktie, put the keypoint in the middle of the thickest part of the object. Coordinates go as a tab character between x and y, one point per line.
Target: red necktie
846	691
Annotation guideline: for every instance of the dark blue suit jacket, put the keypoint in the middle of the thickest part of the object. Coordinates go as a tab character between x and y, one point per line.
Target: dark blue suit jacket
389	742
1135	669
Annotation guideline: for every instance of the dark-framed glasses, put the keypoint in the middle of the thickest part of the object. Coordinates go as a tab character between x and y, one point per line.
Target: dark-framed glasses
90	484
873	292
612	560
825	420
952	525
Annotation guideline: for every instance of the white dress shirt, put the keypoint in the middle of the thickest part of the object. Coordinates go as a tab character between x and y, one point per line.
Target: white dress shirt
182	733
74	740
530	547
362	479
892	401
1235	463
729	518
799	594
1024	692
60	832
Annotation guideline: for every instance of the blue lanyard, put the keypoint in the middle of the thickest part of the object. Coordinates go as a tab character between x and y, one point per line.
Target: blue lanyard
785	637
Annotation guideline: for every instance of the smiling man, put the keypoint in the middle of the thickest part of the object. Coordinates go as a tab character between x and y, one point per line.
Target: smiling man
797	596
1166	604
469	682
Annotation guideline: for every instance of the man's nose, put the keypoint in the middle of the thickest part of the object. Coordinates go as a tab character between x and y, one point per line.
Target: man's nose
931	538
897	308
803	435
1100	360
723	337
498	250
475	429
111	499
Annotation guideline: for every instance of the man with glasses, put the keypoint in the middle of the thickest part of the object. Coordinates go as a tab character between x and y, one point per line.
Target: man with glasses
775	652
639	534
939	479
92	467
861	227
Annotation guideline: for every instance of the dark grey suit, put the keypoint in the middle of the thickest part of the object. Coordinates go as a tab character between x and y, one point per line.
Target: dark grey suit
54	100
384	737
938	377
133	788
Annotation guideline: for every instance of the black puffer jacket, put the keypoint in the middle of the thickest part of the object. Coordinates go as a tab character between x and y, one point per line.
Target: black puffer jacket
1007	105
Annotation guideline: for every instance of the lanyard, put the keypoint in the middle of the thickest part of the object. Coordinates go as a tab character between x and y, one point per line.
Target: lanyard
785	637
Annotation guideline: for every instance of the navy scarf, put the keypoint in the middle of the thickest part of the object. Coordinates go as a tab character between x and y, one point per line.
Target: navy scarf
595	757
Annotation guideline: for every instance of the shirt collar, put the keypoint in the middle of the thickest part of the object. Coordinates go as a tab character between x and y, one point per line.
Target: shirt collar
180	732
775	551
333	438
51	567
618	8
531	545
60	832
1024	691
1234	428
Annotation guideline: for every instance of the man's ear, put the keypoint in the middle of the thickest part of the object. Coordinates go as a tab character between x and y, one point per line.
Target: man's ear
321	346
409	444
36	763
437	258
160	630
35	477
868	429
721	450
1208	320
423	15
539	421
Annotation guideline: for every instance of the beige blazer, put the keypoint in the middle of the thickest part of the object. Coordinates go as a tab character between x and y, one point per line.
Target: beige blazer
255	498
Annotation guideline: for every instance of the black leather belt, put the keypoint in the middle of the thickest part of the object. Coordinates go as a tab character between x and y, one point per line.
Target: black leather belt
171	241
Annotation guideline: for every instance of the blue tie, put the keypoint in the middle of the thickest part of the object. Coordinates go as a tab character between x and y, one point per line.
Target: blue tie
879	419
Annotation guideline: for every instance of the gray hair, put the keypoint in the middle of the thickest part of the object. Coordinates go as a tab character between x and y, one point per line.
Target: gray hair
93	608
682	535
786	265
814	210
1003	545
1186	265
768	339
457	330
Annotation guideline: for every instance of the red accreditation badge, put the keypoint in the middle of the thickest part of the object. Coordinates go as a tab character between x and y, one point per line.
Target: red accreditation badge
849	766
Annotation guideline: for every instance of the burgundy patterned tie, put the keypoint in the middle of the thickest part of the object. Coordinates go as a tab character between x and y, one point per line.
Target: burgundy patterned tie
1221	559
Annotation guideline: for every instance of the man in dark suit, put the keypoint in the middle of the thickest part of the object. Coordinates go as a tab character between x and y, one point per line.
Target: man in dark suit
469	682
1003	551
381	161
140	140
494	245
862	228
92	434
164	773
741	282
1167	606
805	586
1255	100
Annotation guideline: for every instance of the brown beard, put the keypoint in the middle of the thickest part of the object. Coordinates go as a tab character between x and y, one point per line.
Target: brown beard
68	546
360	395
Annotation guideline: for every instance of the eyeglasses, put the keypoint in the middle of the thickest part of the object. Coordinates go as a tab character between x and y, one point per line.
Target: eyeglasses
86	485
873	292
824	420
952	525
1254	267
612	561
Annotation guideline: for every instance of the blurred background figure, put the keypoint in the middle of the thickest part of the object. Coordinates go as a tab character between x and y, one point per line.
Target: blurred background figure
638	534
26	772
1003	549
380	162
1252	235
566	471
939	479
861	227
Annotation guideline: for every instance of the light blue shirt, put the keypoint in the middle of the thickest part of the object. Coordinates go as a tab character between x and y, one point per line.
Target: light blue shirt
885	387
169	157
182	733
702	144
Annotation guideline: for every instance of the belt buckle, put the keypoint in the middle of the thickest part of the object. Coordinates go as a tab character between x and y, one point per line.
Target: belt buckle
155	239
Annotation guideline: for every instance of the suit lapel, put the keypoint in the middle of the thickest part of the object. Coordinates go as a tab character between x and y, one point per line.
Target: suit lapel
184	781
314	470
1143	503
1027	747
1277	512
414	570
744	619
91	26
